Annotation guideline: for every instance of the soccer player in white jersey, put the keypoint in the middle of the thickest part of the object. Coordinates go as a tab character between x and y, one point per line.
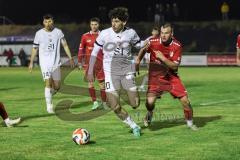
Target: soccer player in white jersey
118	66
47	41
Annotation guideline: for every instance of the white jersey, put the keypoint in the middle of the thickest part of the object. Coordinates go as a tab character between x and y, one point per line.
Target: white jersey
49	47
117	56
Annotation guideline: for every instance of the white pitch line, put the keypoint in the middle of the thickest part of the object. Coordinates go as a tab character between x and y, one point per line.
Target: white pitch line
217	102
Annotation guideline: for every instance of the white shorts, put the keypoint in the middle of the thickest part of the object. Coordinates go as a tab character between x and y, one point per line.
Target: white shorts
51	72
115	82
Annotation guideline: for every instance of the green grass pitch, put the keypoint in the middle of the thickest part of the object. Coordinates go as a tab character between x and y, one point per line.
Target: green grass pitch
214	94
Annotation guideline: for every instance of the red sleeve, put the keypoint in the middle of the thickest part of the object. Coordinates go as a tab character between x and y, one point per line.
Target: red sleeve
81	49
176	58
238	42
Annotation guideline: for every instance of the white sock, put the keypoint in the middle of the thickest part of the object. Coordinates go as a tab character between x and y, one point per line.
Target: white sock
48	95
189	122
130	122
6	120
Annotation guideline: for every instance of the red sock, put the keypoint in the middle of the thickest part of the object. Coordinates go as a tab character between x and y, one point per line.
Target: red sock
103	95
3	112
92	93
188	113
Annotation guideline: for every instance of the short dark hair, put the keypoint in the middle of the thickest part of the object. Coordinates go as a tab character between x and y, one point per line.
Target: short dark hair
120	13
95	19
48	16
165	25
157	28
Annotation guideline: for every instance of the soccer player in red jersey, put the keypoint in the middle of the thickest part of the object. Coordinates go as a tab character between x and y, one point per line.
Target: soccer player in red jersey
238	50
165	56
9	122
84	54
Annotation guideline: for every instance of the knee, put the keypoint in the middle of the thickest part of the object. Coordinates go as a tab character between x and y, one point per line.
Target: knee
135	104
185	102
90	85
150	105
57	87
116	108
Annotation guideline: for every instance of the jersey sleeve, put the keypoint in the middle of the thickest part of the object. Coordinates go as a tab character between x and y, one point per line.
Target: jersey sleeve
81	49
238	42
61	35
36	40
135	41
100	40
176	58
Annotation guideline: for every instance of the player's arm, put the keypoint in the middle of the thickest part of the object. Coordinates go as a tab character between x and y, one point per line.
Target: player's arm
172	65
67	51
141	54
33	55
97	47
81	51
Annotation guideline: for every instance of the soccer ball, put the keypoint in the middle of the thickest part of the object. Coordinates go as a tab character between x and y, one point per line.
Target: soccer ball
81	136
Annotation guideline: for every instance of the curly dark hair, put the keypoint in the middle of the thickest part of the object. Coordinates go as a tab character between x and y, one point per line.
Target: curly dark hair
120	13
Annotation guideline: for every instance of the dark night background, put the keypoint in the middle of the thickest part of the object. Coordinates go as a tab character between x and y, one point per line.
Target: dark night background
30	12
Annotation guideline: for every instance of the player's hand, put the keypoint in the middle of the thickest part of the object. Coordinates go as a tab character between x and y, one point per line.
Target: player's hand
30	67
160	55
72	64
90	78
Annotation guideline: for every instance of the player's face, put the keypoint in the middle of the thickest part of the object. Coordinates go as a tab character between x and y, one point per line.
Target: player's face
48	24
155	33
166	34
94	26
117	25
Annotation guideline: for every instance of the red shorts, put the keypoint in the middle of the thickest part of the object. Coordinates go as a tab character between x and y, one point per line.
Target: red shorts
98	72
172	84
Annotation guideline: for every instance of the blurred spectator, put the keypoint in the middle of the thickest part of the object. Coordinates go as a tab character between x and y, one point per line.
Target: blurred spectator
175	12
149	14
5	52
23	57
159	14
168	12
10	57
102	11
224	11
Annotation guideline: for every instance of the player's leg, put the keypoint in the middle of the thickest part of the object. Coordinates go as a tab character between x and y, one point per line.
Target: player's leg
188	112
99	74
128	83
179	91
150	105
114	103
112	87
48	95
101	84
56	83
9	122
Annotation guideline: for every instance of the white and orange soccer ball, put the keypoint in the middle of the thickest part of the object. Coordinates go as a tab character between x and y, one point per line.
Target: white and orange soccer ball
81	136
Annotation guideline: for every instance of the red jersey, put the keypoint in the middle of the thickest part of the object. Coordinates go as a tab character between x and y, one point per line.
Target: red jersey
86	47
238	42
172	52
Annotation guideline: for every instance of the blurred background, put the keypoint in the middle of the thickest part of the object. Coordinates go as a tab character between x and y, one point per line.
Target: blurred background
207	29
